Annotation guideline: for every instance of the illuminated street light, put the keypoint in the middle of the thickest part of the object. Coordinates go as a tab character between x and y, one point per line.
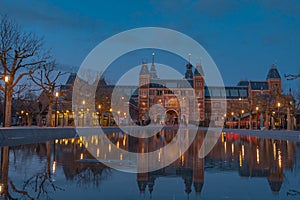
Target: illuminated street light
100	113
279	120
27	118
119	112
256	108
109	116
6	80
83	103
55	114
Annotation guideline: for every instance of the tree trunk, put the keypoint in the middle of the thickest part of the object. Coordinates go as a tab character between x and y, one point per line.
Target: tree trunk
8	102
48	150
39	120
250	120
29	120
49	114
4	170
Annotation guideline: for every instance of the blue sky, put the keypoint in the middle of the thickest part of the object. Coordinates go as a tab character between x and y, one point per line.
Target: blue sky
243	37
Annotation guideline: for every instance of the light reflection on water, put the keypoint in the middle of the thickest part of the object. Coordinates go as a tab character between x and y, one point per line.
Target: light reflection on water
236	168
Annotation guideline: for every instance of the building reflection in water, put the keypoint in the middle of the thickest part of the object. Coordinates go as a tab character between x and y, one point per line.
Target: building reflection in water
250	156
253	157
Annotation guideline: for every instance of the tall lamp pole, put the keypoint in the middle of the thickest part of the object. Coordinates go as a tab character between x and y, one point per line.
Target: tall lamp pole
242	121
55	115
99	118
279	120
109	116
256	108
83	103
6	79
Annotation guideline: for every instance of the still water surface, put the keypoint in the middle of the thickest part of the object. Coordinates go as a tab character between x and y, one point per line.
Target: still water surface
238	167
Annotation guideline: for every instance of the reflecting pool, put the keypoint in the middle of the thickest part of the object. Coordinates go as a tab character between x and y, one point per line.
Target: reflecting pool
238	167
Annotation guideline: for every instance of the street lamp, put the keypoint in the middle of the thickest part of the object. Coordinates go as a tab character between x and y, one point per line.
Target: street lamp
55	115
279	120
22	113
242	115
119	117
6	79
256	108
99	107
67	112
232	114
83	103
27	119
109	116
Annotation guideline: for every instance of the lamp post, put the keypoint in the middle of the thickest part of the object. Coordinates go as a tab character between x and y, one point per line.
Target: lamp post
109	116
99	107
119	117
6	79
279	120
125	118
242	111
55	115
232	114
83	104
242	115
67	112
27	119
22	113
256	108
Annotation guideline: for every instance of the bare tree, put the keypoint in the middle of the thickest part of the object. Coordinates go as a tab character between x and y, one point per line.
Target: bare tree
46	78
21	54
290	77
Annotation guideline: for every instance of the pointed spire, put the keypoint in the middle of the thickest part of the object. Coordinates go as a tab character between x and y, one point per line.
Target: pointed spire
198	70
273	73
144	69
153	74
189	71
153	58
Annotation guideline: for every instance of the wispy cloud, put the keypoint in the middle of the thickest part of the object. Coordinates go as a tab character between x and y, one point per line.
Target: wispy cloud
45	14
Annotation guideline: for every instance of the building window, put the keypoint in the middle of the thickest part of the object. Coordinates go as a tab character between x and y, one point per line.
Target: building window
199	94
151	92
143	93
198	84
168	92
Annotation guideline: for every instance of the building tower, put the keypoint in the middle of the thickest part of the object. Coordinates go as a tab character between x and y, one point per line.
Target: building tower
199	91
189	71
153	74
144	81
274	80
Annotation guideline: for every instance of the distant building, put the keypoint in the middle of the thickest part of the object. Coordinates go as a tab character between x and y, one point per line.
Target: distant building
249	104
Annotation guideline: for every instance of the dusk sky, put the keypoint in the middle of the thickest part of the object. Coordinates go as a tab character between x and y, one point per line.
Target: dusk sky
243	38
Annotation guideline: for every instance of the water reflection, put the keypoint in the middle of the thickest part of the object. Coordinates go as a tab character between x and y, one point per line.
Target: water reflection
253	157
41	170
